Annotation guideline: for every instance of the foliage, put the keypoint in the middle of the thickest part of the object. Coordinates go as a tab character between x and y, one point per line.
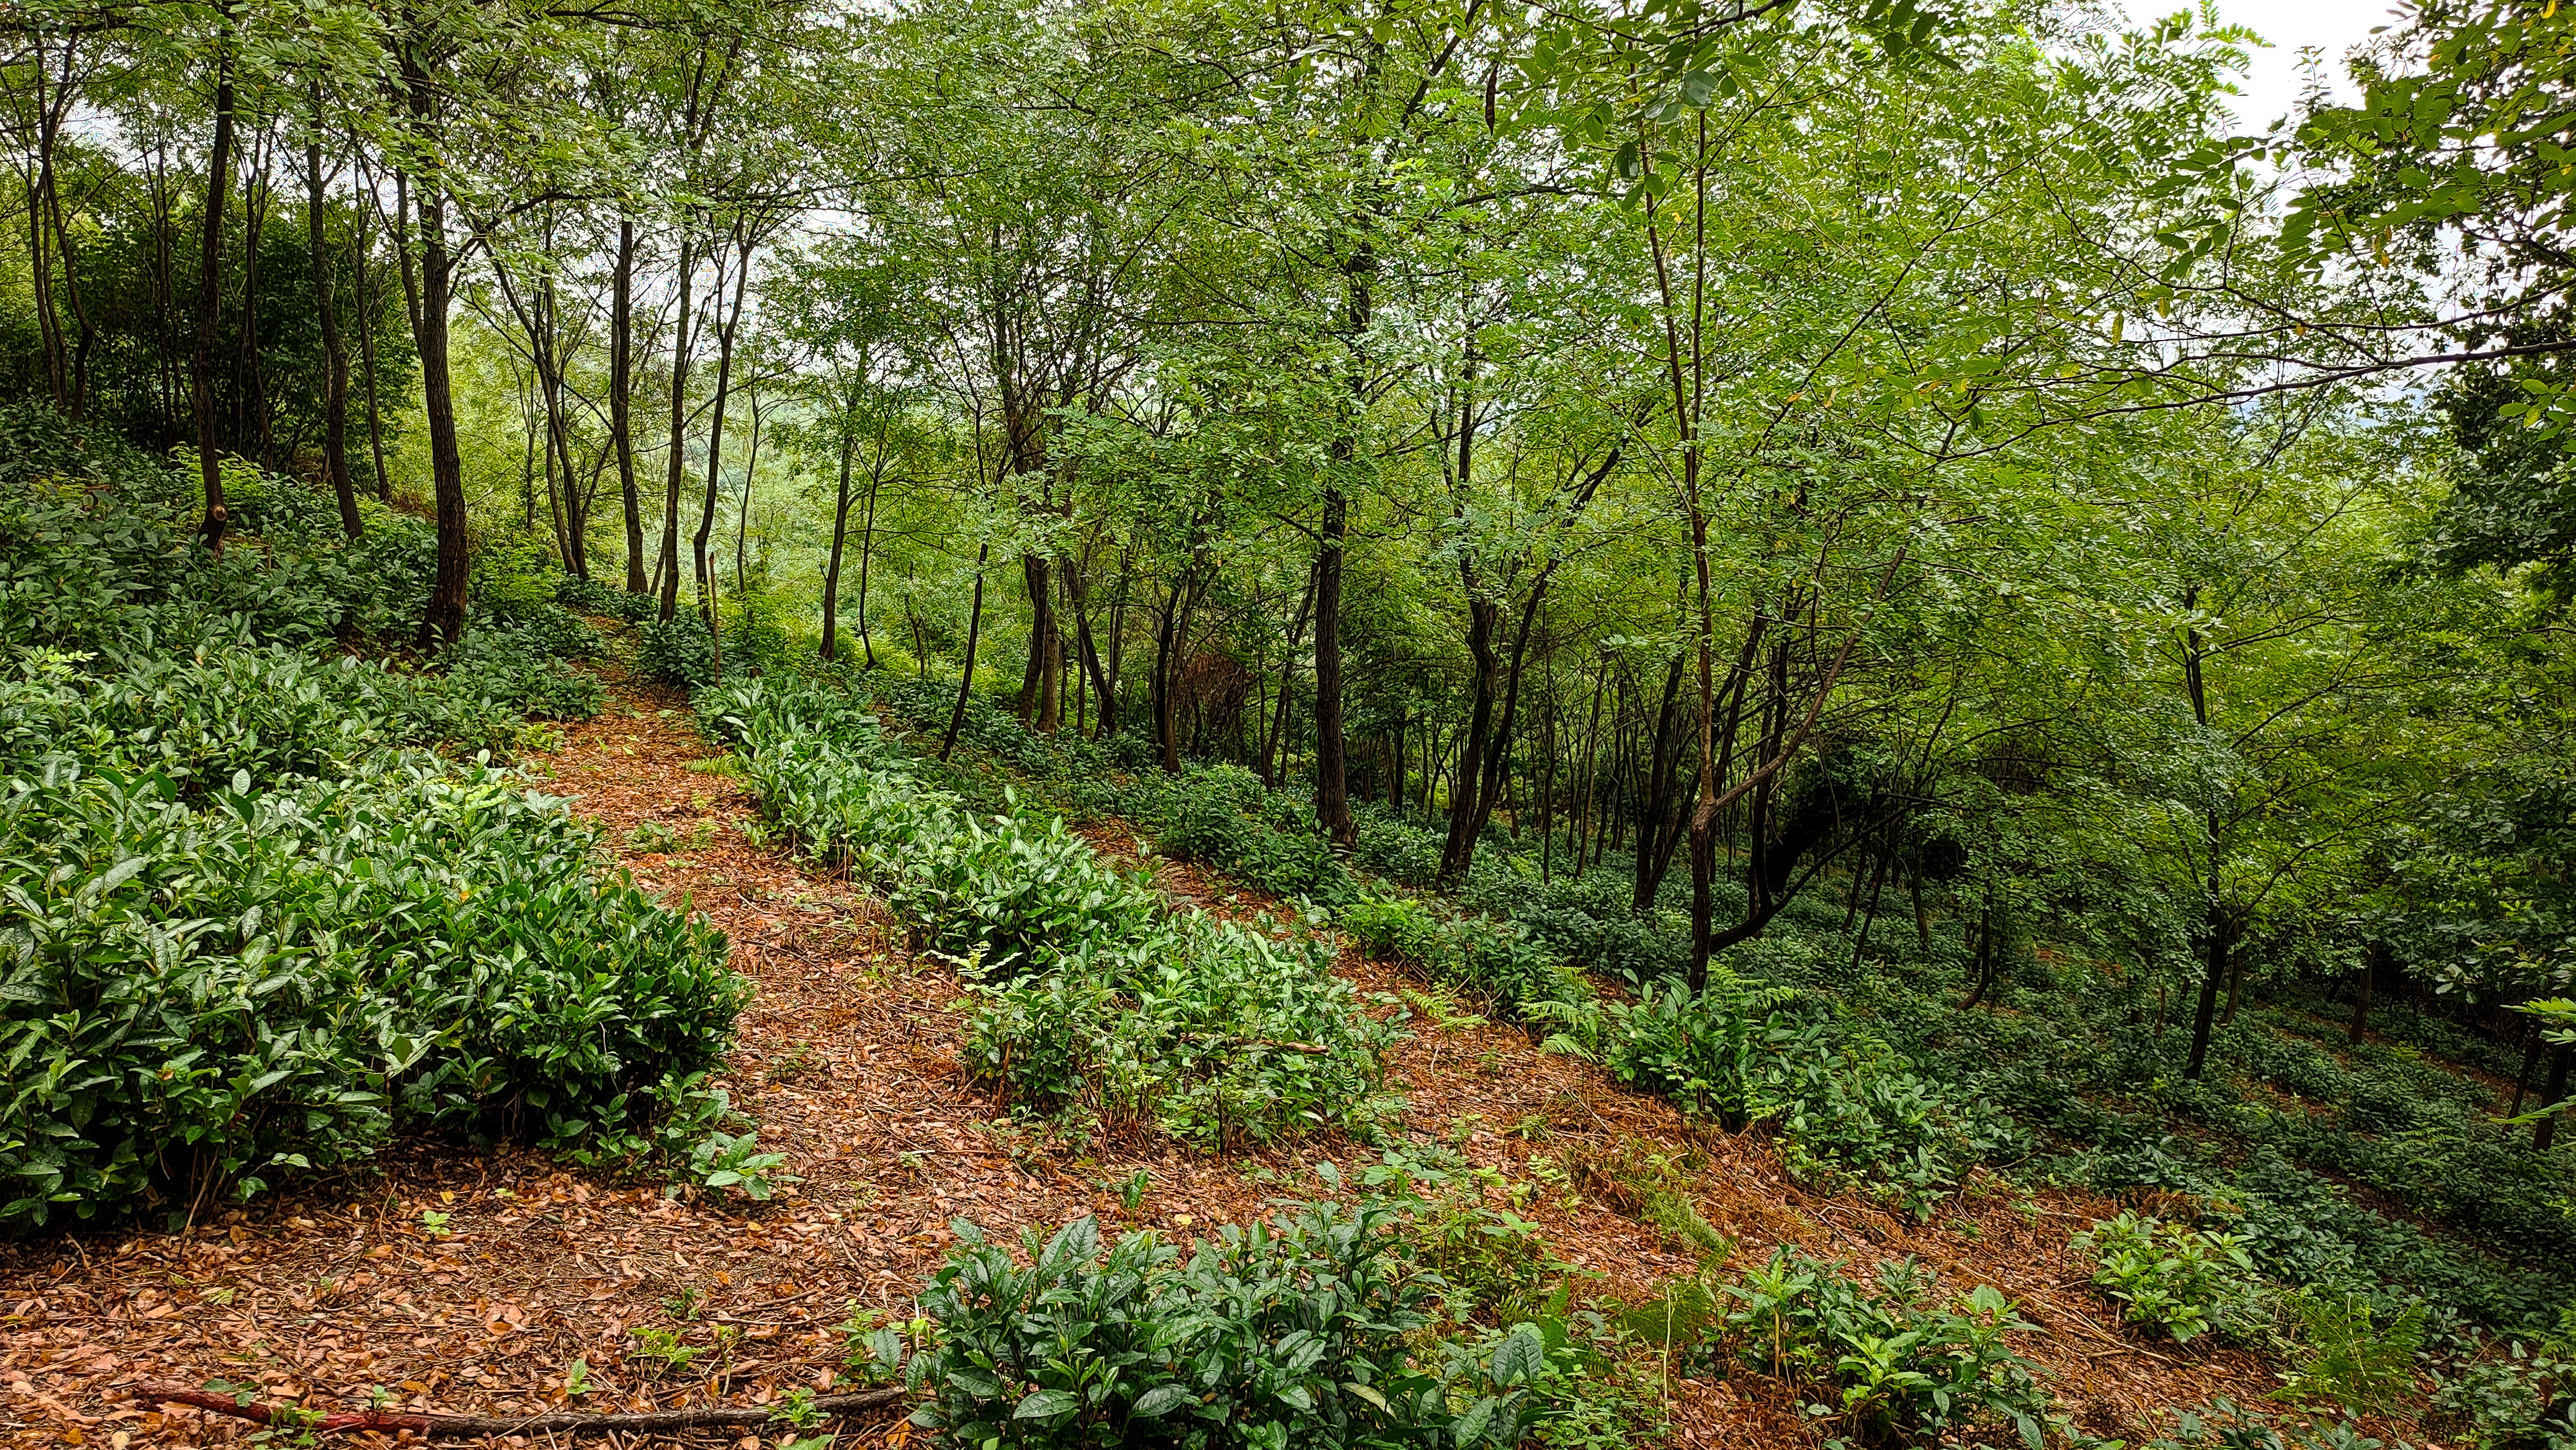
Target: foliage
249	929
2176	1278
2350	1358
1894	1364
1088	994
1505	968
1294	1334
676	651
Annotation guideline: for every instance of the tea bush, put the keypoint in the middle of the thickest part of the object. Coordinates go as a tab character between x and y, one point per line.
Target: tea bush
1269	1336
1845	1107
1893	1366
1508	971
1086	994
2518	1398
196	998
676	651
2176	1279
248	926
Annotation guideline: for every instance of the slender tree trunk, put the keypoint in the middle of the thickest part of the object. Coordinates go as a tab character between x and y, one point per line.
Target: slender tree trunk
335	395
621	397
444	624
742	519
1652	813
725	332
2545	1132
2370	962
974	636
210	257
1078	594
832	570
1332	763
668	569
1278	732
367	363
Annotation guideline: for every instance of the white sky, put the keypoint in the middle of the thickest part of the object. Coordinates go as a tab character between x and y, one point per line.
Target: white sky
2332	26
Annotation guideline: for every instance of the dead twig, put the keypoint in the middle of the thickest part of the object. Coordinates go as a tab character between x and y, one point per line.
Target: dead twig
435	1425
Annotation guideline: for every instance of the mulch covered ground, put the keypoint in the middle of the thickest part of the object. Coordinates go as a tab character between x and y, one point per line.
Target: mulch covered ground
466	1281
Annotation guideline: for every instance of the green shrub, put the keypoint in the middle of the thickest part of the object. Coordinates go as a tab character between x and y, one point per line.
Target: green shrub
1506	970
676	651
2516	1399
246	926
1846	1109
197	998
2351	1358
519	670
1891	1366
1087	994
593	596
1268	1337
1210	815
2175	1278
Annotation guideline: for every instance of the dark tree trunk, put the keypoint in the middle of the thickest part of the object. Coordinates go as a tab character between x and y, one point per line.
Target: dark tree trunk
668	568
1465	805
444	624
2545	1132
367	364
201	389
335	395
1042	683
621	396
832	570
726	330
974	637
2218	943
2370	964
1332	784
1654	816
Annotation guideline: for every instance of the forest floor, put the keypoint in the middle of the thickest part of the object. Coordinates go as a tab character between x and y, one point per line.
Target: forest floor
848	1059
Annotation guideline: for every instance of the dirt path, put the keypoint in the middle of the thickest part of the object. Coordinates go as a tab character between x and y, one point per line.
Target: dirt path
848	1060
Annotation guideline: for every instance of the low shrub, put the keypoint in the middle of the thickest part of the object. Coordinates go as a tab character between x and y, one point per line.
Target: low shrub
2176	1279
1845	1106
1270	1336
1087	994
676	651
1507	971
1891	1366
593	596
2517	1398
197	998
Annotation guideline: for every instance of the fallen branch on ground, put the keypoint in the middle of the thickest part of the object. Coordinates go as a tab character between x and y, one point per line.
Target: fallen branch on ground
568	1422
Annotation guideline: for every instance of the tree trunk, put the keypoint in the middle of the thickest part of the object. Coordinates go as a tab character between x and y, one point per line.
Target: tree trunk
1278	732
1465	807
1045	673
444	624
335	396
367	363
1653	816
201	390
2545	1132
726	329
621	390
2370	964
2217	943
974	636
832	569
867	549
668	567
